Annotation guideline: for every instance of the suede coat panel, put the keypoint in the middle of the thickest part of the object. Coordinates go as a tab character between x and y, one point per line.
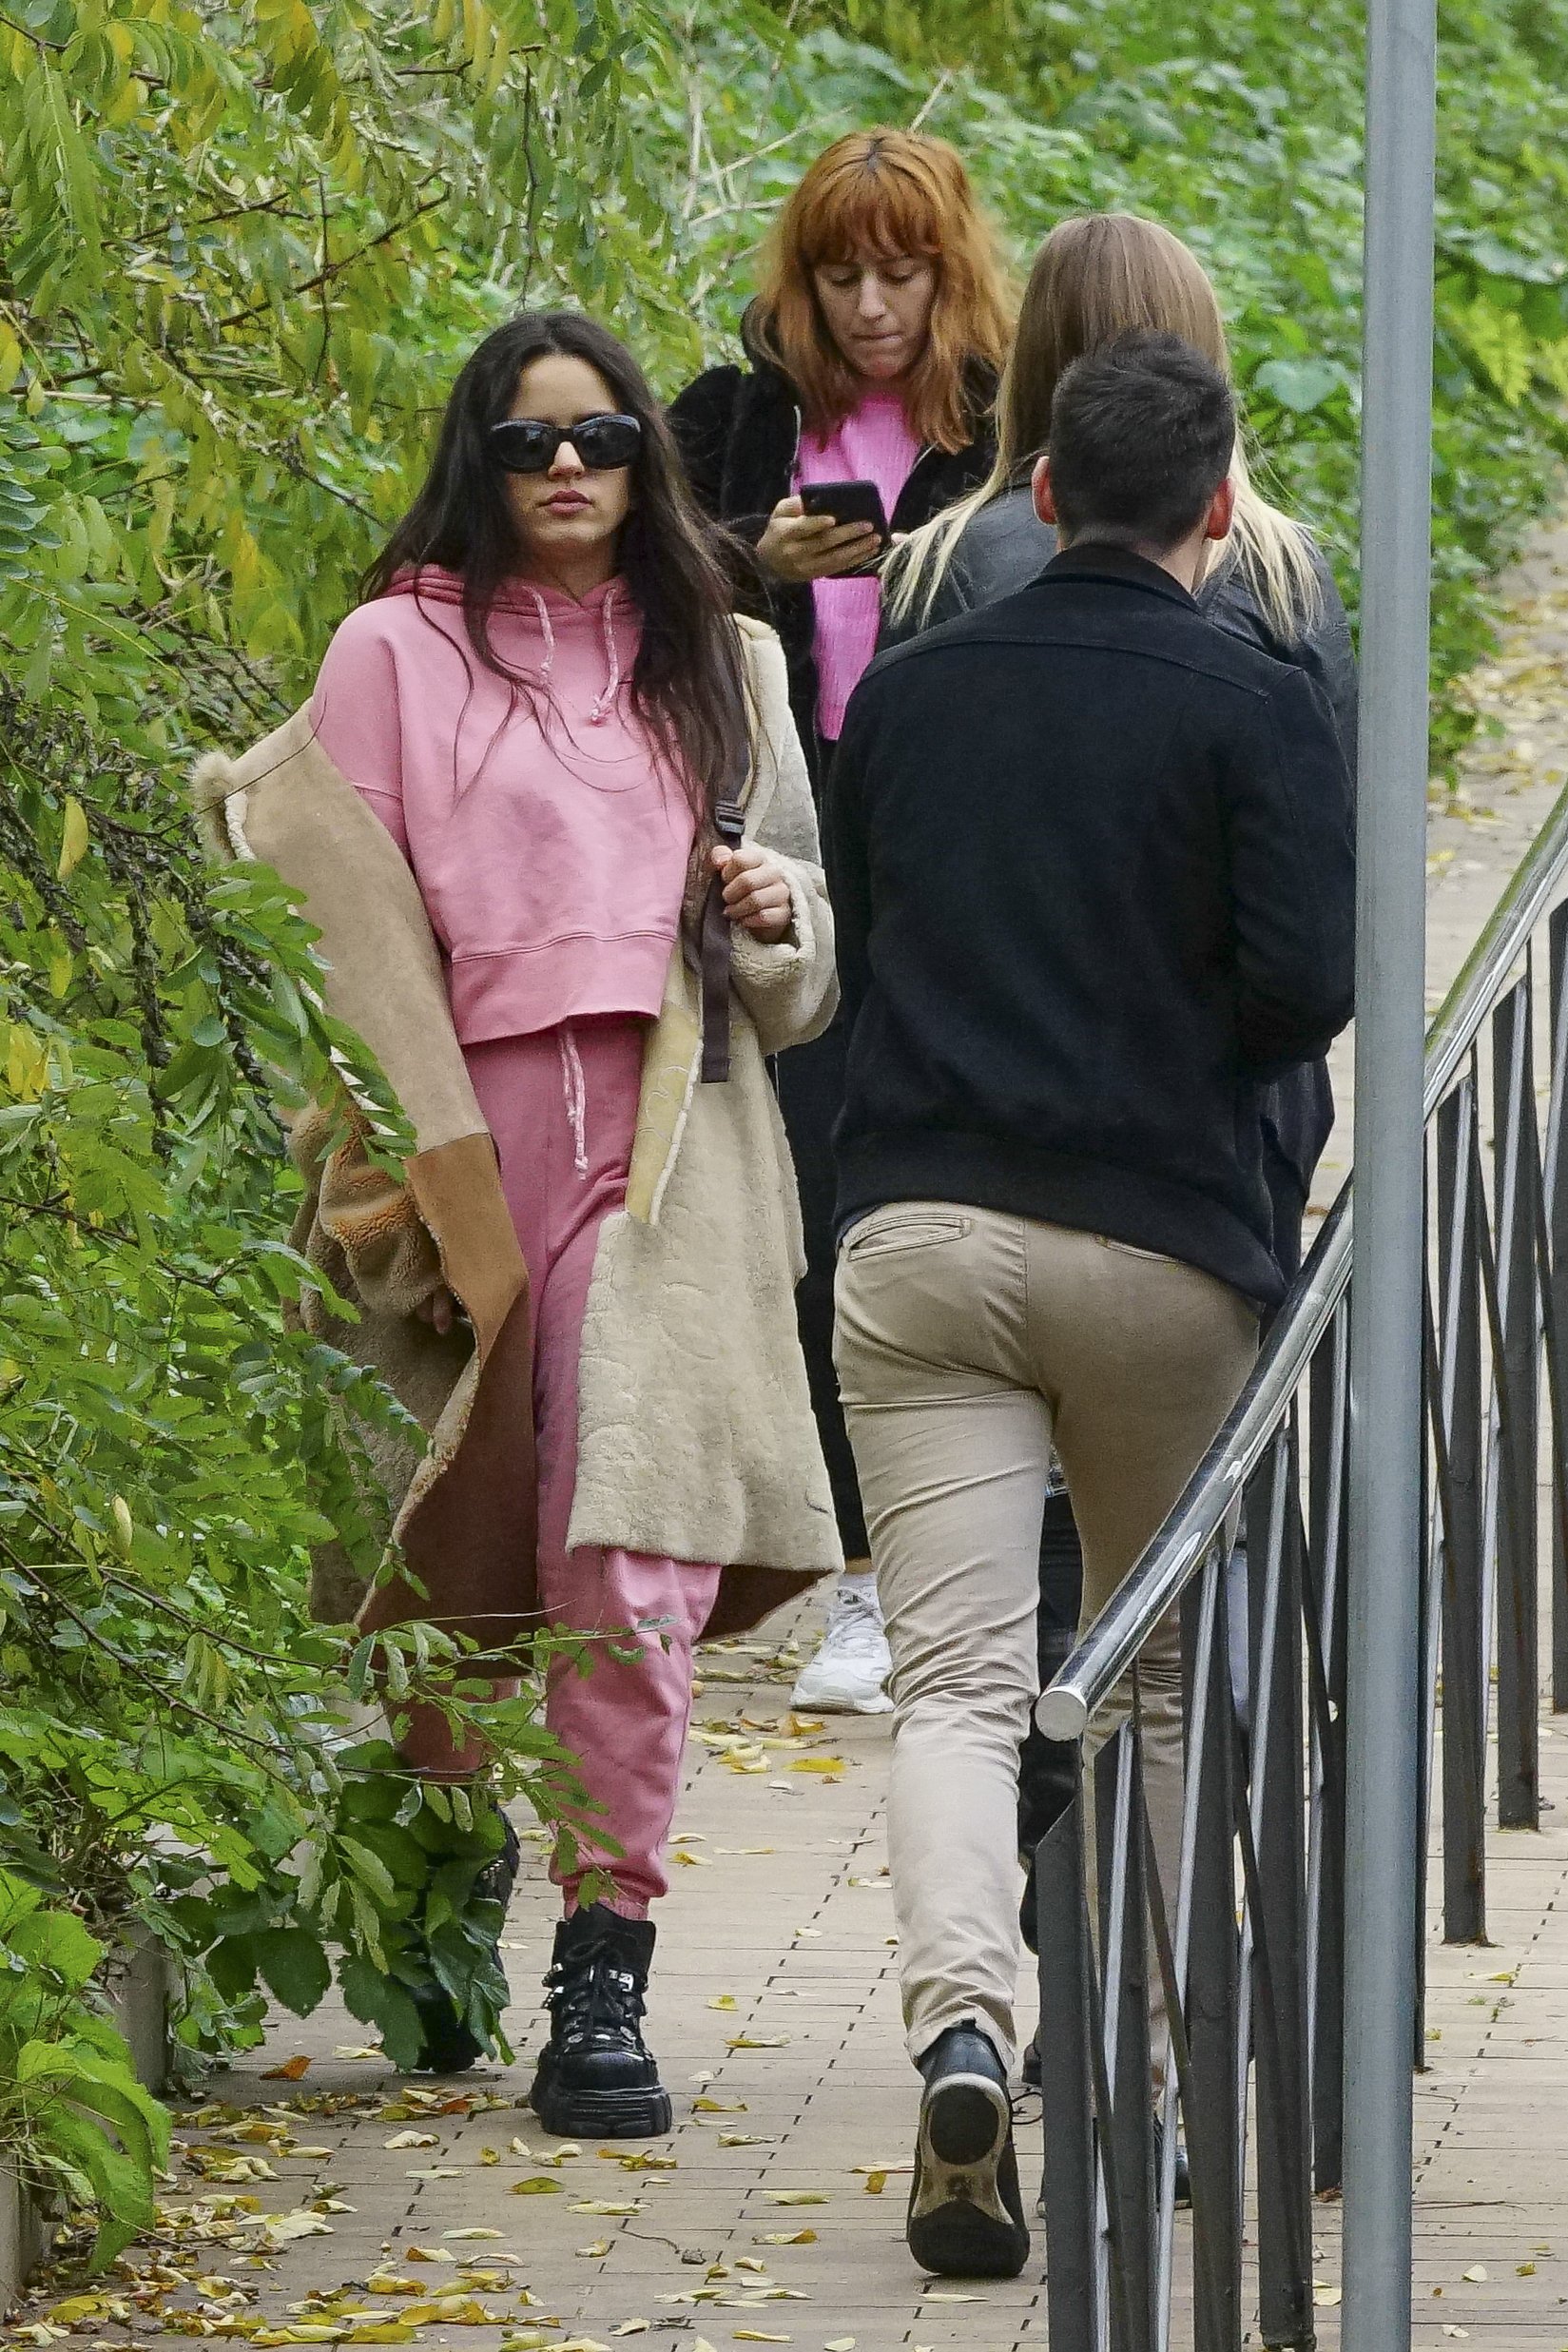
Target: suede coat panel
696	1437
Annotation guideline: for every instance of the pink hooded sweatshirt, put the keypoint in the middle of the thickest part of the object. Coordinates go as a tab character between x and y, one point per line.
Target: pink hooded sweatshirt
550	842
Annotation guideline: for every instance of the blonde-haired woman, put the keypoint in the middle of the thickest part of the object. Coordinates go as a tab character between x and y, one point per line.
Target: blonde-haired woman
1096	277
873	348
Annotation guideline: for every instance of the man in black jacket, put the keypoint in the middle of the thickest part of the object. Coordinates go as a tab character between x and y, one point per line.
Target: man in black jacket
1091	864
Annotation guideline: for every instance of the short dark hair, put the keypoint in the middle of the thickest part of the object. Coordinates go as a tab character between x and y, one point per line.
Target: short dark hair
1142	434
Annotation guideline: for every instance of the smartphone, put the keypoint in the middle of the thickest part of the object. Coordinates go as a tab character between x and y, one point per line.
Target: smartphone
849	503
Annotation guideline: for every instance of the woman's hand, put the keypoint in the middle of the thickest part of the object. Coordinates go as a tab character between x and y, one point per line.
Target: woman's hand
439	1309
797	546
755	891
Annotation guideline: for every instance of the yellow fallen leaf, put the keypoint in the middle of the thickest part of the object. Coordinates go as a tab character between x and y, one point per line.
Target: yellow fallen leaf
388	2282
744	2139
875	2183
473	2233
73	838
1476	2274
693	1861
535	2186
1525	2270
413	2139
434	2172
936	2294
490	2156
839	2343
78	2308
1325	2297
357	2049
602	2204
743	2261
631	2327
718	2106
758	2041
818	1764
427	2254
757	2335
796	2196
292	2070
599	2247
724	2000
787	2237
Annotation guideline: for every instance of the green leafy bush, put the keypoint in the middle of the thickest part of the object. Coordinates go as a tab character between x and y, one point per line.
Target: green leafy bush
73	2118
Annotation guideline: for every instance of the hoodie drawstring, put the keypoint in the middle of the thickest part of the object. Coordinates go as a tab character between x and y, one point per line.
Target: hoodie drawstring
576	1099
604	702
548	634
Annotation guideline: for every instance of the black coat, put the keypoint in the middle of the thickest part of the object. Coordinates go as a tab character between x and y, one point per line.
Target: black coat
1004	547
738	431
1063	1004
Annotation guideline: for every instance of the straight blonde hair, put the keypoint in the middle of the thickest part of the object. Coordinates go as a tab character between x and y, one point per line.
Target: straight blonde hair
1096	277
889	192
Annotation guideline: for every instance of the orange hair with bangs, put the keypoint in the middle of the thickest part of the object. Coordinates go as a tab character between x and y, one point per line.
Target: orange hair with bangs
890	193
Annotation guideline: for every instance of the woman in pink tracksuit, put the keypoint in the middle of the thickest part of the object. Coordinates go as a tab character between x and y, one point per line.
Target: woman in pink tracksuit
542	698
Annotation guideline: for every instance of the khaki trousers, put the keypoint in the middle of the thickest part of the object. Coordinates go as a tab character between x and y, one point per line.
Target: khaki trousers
968	1342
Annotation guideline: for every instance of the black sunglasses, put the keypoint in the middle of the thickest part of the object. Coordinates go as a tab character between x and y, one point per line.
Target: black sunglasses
527	445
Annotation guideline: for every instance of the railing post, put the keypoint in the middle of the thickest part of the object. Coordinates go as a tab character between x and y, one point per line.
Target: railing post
1555	1279
1460	1518
1067	2014
1515	1194
1382	1733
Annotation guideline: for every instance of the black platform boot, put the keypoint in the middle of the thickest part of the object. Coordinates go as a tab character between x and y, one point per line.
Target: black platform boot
596	2074
446	2043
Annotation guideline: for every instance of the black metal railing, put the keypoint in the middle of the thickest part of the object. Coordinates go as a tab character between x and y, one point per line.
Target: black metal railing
1246	1938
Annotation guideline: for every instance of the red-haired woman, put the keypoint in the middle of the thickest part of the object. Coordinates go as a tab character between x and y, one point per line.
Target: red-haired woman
874	346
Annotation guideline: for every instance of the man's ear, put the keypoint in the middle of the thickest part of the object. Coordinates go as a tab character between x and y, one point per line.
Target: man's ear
1039	482
1221	510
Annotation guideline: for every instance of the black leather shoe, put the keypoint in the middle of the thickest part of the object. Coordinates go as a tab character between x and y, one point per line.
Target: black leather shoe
1031	2066
597	2074
446	2043
965	2213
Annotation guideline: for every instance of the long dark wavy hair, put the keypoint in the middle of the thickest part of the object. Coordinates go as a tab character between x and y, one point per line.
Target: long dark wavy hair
688	684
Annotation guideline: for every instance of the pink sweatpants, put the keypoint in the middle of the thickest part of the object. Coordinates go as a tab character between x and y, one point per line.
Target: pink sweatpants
562	1106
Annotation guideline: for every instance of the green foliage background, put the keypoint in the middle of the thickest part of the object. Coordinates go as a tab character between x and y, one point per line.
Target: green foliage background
244	249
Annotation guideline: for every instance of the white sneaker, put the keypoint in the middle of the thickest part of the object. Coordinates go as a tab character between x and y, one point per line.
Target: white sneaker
848	1672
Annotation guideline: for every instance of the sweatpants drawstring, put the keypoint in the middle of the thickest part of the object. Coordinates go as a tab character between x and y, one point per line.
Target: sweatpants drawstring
576	1099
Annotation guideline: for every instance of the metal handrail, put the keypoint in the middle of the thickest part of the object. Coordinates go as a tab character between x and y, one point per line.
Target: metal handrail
1178	1547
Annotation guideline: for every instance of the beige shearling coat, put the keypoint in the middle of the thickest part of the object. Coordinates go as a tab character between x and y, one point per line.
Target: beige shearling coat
696	1436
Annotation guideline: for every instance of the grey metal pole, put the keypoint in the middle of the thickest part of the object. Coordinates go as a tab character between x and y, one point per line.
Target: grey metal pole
1382	1869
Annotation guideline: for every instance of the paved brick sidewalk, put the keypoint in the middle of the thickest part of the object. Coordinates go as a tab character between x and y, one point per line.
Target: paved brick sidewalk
756	2221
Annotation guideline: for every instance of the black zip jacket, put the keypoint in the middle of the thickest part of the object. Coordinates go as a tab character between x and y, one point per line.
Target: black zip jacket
1004	547
1093	877
738	431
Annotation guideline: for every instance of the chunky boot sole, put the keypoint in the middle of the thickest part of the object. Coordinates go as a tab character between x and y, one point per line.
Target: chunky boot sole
965	2218
630	2113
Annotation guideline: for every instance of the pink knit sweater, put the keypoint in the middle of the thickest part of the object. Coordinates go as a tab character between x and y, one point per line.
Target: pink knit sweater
872	444
549	845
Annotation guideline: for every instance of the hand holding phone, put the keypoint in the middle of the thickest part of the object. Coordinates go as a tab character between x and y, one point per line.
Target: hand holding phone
829	531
